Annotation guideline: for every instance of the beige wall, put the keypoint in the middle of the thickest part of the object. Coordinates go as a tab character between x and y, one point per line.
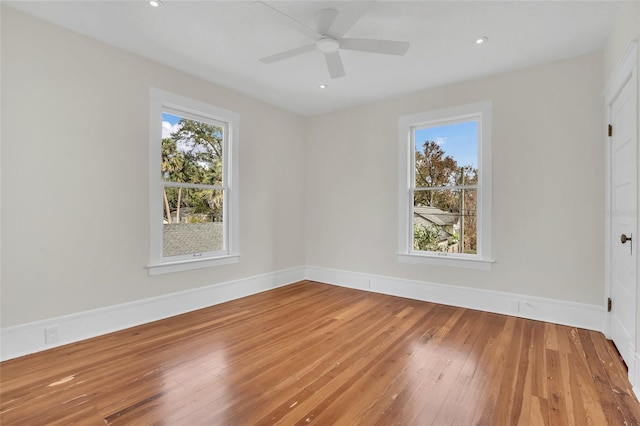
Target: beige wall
625	29
548	190
75	117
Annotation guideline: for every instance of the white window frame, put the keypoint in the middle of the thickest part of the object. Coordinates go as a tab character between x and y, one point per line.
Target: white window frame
162	101
482	112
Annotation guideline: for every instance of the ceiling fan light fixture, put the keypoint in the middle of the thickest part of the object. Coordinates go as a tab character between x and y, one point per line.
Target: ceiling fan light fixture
482	40
323	86
328	45
155	3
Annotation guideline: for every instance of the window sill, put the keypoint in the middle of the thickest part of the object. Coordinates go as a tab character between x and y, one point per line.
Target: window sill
187	265
446	260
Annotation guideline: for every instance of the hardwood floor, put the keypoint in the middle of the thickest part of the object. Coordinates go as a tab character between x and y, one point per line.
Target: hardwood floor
311	353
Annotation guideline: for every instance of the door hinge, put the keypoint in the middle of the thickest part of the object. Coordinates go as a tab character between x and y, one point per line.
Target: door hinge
610	131
609	304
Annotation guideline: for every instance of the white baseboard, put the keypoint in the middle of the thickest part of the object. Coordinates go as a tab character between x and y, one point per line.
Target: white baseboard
591	317
28	338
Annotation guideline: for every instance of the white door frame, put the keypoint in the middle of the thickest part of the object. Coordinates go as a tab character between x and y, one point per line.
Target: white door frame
626	69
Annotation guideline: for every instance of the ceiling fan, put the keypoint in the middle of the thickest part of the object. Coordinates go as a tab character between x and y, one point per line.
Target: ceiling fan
328	39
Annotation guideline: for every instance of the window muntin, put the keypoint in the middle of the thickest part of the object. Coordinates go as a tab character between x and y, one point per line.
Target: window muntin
193	184
445	211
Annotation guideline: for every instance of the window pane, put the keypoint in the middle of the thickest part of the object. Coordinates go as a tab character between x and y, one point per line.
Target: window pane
193	221
446	155
445	221
191	151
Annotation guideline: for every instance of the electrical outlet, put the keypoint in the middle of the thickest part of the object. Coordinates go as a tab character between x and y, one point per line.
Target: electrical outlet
51	335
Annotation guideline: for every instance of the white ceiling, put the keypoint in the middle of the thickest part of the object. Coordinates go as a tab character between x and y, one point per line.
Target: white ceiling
222	41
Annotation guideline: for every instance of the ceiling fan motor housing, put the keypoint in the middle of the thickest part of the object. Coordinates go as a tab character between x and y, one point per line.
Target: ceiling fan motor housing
328	45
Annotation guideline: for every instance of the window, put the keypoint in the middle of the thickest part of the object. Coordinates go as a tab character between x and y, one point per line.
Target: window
193	184
445	187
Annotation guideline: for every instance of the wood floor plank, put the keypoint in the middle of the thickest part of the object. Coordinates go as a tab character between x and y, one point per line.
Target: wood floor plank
345	375
492	373
311	353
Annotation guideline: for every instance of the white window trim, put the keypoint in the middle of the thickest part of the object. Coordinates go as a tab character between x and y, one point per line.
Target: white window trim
482	260
159	102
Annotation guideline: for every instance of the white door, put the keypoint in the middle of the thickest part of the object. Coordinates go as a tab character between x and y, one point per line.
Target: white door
623	216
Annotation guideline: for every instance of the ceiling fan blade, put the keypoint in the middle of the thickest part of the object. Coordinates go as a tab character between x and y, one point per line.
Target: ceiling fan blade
387	47
348	17
325	18
288	54
334	64
289	21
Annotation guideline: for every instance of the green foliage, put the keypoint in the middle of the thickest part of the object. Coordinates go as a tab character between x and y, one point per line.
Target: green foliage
426	238
196	219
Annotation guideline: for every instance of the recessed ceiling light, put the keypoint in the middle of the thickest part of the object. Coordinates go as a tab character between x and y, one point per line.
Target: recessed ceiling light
155	3
323	86
481	40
